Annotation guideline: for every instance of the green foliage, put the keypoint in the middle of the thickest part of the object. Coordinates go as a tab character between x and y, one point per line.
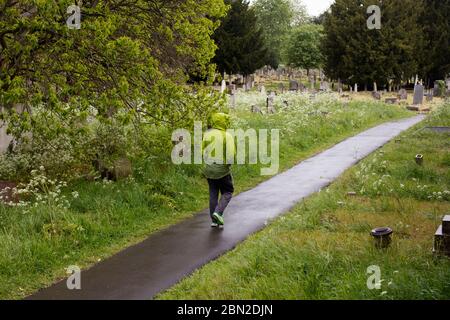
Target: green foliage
274	19
442	88
125	67
356	54
304	49
241	47
40	239
323	248
436	54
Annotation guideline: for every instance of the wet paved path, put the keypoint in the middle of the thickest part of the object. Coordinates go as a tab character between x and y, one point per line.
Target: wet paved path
143	270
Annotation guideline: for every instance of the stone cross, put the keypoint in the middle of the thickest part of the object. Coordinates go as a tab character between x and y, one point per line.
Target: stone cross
418	94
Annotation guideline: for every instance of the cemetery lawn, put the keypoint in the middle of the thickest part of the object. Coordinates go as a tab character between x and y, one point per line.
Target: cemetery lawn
38	243
322	249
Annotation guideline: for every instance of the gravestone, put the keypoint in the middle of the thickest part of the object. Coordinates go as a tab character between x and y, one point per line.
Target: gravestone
418	94
402	94
448	84
262	90
429	96
233	99
340	86
256	109
293	85
391	100
376	95
270	103
231	88
442	237
436	90
5	139
281	87
356	88
223	87
324	86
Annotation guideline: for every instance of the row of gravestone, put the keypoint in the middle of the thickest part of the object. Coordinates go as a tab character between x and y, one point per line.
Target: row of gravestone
270	105
419	94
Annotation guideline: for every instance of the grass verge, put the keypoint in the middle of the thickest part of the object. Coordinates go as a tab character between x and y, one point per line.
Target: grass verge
322	249
38	242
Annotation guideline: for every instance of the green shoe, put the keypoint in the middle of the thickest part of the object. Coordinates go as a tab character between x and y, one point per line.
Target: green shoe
218	219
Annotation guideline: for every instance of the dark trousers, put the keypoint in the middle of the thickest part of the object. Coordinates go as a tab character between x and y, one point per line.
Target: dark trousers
226	189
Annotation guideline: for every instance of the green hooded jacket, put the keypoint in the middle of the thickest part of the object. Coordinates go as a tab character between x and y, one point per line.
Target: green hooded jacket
218	164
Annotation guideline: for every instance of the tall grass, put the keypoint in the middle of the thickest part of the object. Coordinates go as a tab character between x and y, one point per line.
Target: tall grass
322	249
39	241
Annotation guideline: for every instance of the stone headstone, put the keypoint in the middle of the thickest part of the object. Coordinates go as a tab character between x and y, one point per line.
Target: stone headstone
448	84
223	87
391	100
233	99
293	85
376	95
340	86
436	90
256	109
356	88
429	96
402	94
442	237
281	87
262	90
324	86
270	103
418	94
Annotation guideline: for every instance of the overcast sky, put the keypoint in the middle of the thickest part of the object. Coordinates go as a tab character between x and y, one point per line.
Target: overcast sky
316	7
